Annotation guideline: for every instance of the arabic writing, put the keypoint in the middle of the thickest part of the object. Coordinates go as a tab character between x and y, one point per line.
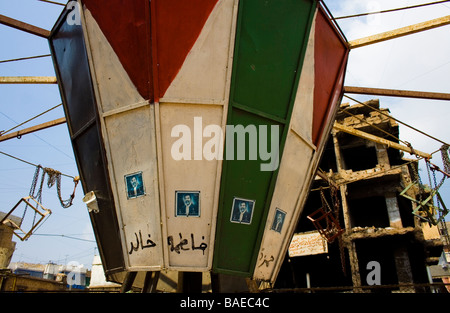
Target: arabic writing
140	243
183	242
309	243
265	261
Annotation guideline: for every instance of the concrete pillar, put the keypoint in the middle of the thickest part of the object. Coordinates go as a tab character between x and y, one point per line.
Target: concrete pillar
337	151
345	211
382	156
403	267
354	265
343	188
395	219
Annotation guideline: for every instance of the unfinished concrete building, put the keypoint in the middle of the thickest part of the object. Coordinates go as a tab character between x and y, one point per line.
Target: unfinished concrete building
377	244
7	245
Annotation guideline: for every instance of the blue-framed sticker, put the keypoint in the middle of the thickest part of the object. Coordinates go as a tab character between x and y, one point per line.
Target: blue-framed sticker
242	211
278	220
134	185
187	203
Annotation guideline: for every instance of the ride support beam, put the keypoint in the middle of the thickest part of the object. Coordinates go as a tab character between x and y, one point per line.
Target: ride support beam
24	26
400	32
397	93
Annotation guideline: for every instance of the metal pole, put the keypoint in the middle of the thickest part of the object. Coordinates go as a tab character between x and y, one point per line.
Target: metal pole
397	93
24	26
380	140
150	282
400	32
33	129
128	282
308	281
28	80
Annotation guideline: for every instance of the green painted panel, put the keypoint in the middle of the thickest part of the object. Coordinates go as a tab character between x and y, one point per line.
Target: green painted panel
246	181
271	39
267	53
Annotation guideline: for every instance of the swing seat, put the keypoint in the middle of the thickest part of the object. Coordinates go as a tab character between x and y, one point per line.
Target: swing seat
38	209
426	207
326	224
435	214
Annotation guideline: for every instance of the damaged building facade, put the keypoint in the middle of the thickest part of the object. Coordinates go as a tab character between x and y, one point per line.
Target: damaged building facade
375	243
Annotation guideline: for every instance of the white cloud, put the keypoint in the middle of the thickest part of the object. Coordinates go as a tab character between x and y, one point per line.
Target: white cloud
401	62
418	62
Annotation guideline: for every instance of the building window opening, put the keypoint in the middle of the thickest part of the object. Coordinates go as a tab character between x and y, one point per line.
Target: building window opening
360	158
368	212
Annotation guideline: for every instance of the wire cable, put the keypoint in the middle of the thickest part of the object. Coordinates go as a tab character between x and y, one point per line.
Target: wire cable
391	10
26	58
397	120
52	2
364	120
7	131
35	165
38	137
65	236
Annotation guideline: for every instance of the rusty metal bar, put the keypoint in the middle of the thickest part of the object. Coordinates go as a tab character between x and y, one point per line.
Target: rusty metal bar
380	140
33	129
397	93
24	26
400	32
28	80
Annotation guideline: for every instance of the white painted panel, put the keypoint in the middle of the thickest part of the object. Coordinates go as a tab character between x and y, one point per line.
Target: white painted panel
302	115
189	237
204	74
129	135
292	179
132	145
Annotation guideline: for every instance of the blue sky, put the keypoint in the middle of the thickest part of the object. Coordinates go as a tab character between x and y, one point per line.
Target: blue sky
50	148
417	62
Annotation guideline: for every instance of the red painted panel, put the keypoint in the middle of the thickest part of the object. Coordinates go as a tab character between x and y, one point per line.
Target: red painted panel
126	25
178	25
330	54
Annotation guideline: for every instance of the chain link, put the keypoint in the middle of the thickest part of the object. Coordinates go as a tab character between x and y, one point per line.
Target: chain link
54	177
336	209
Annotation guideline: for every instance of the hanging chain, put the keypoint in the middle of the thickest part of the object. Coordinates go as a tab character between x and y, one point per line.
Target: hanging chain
337	207
335	212
335	200
37	195
446	164
55	177
445	158
325	204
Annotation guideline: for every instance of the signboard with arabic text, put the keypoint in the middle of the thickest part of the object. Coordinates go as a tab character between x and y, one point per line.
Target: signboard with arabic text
307	244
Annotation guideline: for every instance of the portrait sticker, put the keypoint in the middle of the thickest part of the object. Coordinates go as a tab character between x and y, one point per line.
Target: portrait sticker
187	203
134	185
242	211
278	220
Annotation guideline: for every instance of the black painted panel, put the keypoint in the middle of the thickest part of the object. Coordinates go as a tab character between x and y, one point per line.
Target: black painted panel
75	83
